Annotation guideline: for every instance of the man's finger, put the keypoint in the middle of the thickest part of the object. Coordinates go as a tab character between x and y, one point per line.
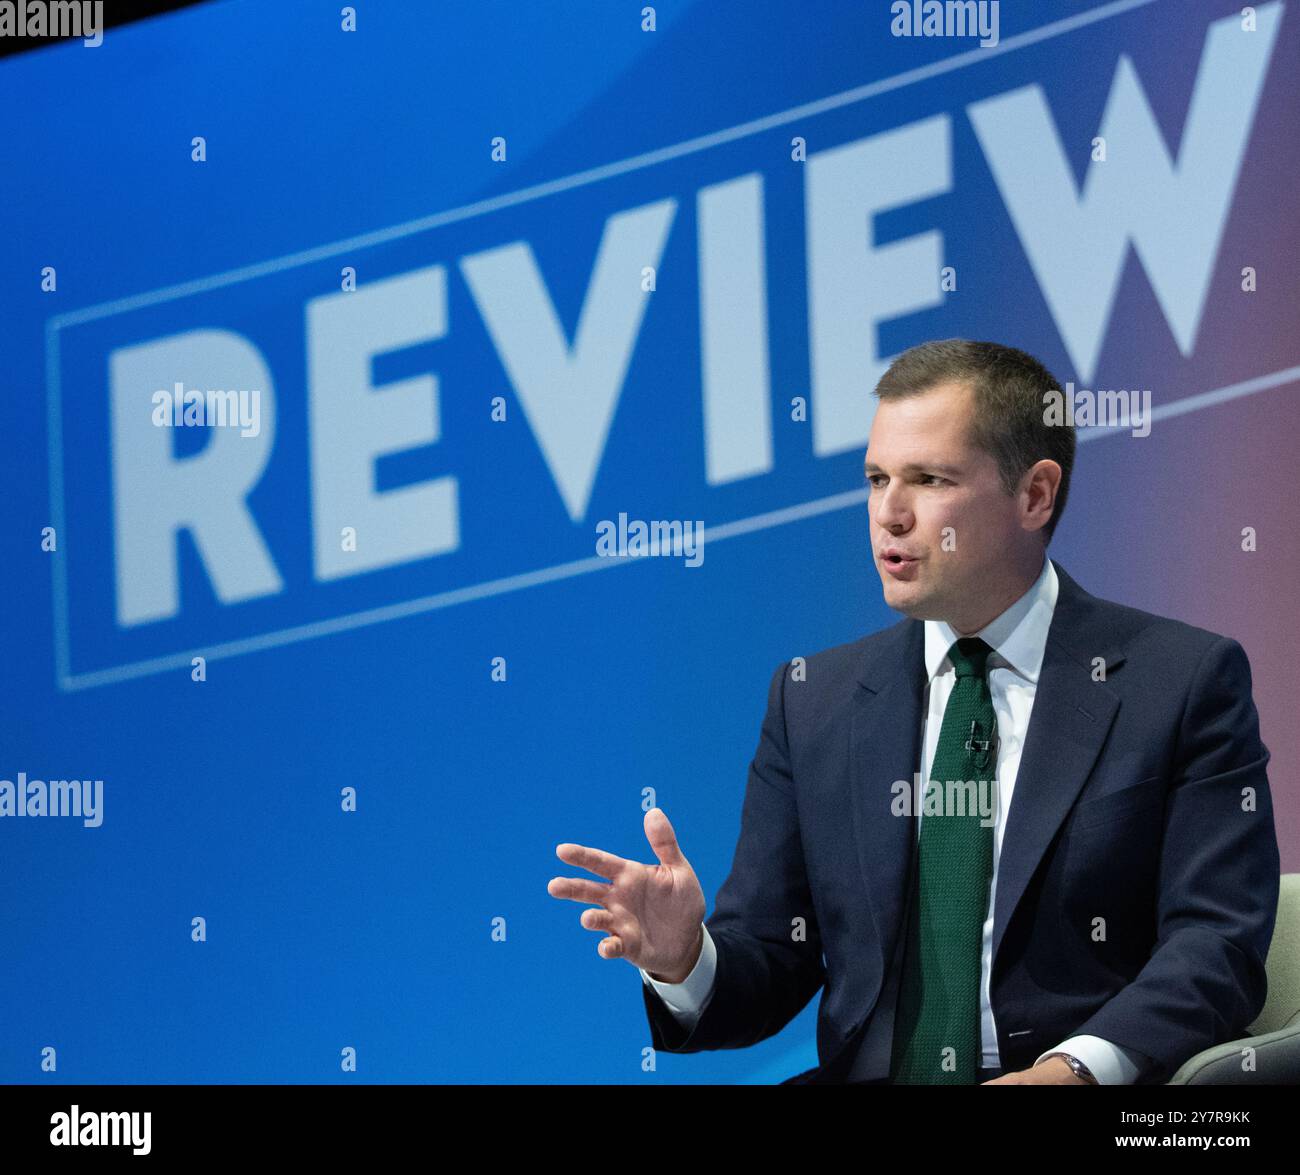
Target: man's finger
659	832
611	947
596	860
579	889
597	919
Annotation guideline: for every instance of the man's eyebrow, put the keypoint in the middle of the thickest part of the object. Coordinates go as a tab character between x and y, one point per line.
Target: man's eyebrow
912	467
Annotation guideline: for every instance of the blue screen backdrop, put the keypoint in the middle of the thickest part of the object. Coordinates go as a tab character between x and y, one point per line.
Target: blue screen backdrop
527	268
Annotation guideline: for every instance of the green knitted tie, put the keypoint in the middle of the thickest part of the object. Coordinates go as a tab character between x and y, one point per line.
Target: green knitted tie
937	1023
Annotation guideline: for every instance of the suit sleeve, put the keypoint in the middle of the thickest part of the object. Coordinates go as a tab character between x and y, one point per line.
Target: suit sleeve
768	947
1218	882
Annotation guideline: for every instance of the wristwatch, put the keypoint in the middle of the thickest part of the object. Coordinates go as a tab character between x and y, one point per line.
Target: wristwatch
1080	1069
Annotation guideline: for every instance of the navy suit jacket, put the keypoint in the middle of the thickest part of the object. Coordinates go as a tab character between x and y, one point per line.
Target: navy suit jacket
1141	799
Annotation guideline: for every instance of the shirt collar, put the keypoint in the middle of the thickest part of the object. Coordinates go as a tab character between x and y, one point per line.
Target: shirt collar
1018	636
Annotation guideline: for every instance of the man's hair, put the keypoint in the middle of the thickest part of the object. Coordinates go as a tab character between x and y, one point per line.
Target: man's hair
1008	423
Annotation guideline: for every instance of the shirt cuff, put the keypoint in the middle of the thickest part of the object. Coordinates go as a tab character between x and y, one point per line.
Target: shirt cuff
1110	1063
689	996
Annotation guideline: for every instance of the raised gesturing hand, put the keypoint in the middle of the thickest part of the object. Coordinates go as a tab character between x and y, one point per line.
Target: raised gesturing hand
651	913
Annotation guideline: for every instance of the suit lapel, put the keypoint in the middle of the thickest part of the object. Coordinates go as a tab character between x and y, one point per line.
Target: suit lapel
1071	717
885	746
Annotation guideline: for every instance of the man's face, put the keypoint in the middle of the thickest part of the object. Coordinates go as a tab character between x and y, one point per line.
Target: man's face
940	502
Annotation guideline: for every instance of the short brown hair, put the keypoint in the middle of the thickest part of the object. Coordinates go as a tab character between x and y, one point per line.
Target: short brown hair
1010	389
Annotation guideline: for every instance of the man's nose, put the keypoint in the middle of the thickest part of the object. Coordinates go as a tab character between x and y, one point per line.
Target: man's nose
889	508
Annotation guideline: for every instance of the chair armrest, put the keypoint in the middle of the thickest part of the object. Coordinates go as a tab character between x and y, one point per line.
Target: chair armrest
1276	1061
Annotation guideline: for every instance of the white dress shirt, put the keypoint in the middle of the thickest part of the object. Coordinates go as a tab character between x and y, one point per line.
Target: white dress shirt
1018	637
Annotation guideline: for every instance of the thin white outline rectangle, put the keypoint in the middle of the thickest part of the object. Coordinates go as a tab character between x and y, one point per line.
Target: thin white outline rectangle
68	681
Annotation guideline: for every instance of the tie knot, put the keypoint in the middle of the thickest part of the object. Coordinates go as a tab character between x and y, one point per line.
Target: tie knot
969	656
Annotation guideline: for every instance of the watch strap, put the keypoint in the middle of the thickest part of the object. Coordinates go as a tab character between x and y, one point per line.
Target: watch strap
1080	1070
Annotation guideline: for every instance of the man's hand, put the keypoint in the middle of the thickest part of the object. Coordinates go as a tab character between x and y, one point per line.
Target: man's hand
1049	1071
652	913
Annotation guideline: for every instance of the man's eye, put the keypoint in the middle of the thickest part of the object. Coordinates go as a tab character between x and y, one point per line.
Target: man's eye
925	477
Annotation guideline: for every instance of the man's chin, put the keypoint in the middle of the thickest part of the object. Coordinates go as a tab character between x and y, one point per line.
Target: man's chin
910	601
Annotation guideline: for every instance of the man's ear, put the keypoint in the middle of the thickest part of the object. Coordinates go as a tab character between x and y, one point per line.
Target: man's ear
1040	484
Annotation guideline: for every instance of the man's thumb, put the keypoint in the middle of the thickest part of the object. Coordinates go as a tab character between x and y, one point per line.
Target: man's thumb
659	832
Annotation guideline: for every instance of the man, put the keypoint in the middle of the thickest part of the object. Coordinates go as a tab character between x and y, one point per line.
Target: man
1085	893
